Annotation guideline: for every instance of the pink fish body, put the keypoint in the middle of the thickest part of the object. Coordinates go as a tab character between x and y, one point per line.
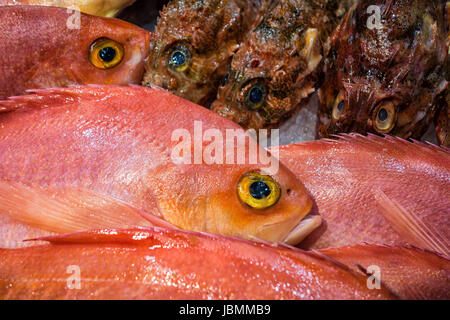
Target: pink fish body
168	264
375	190
410	273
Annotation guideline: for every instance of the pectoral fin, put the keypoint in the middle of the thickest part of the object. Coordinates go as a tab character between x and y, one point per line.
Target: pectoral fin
69	209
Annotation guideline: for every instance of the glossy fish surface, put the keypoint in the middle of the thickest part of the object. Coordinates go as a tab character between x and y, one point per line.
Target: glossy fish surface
375	190
104	8
385	73
166	264
409	272
277	68
44	47
110	156
194	41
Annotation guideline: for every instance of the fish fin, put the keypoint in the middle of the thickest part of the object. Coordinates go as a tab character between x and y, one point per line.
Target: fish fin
104	235
68	209
411	226
393	145
46	98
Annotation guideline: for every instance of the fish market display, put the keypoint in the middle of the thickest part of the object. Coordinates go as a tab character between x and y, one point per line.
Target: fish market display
410	273
193	43
117	183
386	69
64	51
161	264
278	66
105	8
375	190
72	159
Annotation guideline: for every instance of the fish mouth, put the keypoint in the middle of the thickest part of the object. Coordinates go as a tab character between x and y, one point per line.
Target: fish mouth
302	229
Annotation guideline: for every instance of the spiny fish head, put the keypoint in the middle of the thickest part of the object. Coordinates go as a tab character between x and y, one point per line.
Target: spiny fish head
192	48
106	51
272	73
385	81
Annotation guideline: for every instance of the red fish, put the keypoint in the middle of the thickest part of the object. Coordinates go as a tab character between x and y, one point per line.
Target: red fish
44	47
86	157
410	273
376	190
168	264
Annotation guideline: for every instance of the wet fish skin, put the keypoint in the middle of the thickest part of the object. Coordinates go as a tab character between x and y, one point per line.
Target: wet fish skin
398	66
104	8
38	50
211	31
282	59
89	156
409	272
151	264
375	190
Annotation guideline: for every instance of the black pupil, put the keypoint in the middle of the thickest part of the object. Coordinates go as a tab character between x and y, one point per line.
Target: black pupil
107	54
256	95
382	114
259	189
340	106
178	58
225	80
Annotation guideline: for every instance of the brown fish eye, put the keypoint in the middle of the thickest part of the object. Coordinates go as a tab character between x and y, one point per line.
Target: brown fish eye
255	96
180	58
257	190
384	117
338	106
105	53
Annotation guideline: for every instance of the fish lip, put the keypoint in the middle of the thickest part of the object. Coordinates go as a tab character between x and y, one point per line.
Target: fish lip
304	228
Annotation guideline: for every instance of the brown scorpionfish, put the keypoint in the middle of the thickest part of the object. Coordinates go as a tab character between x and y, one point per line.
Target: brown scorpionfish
386	70
278	66
194	41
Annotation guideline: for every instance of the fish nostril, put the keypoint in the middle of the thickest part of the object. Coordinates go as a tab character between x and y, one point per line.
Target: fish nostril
288	191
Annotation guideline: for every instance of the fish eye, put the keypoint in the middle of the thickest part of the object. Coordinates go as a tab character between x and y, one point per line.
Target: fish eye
259	191
105	53
225	80
384	117
338	106
179	58
255	96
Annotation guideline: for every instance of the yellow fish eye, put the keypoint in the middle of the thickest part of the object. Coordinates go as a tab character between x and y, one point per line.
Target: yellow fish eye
255	96
258	191
105	53
384	117
180	58
338	106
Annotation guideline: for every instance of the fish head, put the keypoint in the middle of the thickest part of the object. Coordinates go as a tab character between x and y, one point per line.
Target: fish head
247	193
105	51
192	47
259	205
385	80
273	72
